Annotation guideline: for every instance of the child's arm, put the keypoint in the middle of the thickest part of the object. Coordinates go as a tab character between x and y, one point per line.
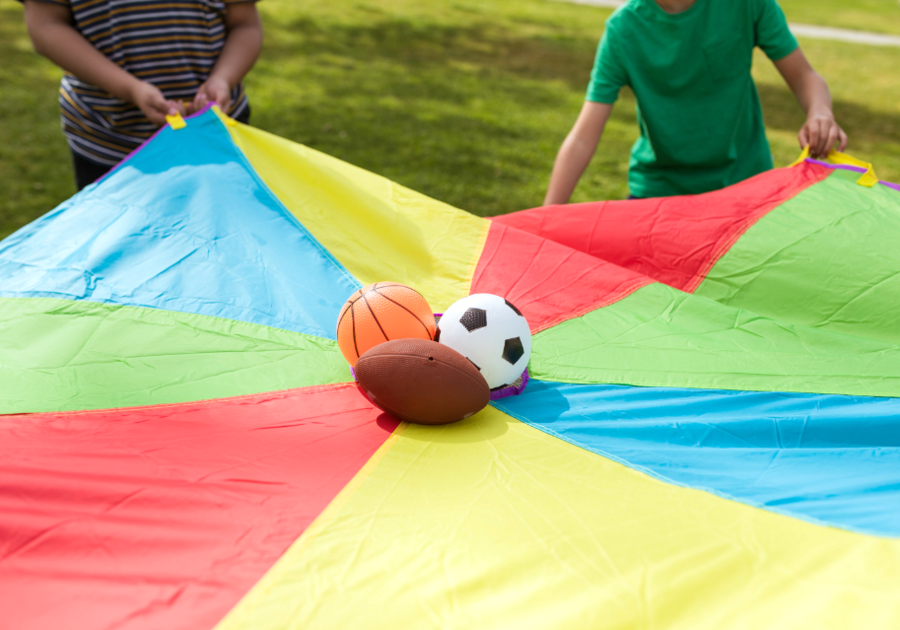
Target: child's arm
243	42
51	32
820	131
576	151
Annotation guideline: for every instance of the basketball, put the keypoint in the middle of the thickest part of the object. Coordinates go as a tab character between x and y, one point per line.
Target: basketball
382	312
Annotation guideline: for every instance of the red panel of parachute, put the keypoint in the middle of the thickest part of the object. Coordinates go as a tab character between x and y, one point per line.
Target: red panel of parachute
164	517
674	240
547	281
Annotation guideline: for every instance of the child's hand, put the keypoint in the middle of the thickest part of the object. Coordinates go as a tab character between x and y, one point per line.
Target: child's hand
151	101
821	133
214	90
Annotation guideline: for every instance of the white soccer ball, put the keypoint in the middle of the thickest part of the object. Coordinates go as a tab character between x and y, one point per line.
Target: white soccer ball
491	333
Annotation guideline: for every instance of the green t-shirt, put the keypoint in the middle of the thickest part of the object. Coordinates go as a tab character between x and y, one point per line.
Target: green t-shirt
697	106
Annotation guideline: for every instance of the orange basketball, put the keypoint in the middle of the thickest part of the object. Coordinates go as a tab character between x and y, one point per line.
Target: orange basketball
381	312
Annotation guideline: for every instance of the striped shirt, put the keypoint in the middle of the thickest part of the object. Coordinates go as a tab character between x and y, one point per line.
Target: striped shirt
172	44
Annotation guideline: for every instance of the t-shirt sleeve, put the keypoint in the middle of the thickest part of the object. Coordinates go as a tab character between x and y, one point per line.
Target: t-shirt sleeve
771	30
608	75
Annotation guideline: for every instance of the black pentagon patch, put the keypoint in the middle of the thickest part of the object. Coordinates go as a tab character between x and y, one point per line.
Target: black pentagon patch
475	364
474	318
513	350
513	307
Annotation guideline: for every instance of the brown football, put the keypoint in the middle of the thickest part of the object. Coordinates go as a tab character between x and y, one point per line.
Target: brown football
422	381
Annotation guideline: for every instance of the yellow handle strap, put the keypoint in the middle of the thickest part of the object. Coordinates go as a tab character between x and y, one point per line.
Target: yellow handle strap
867	179
803	155
176	122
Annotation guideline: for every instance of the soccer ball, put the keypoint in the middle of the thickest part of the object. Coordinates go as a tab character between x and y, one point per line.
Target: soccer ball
491	333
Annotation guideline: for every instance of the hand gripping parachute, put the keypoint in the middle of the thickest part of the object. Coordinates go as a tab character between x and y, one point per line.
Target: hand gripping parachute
710	439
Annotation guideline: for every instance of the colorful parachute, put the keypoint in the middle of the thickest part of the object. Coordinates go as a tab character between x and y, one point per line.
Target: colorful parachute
711	436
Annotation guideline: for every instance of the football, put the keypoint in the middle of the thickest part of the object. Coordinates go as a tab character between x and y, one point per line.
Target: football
421	381
491	333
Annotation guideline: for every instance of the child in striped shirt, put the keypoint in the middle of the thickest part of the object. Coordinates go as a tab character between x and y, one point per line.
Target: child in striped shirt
129	63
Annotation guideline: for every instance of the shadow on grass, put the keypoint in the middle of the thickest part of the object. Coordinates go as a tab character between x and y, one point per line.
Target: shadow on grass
469	115
428	45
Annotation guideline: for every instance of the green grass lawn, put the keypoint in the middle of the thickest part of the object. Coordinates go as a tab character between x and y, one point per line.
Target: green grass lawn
466	101
879	16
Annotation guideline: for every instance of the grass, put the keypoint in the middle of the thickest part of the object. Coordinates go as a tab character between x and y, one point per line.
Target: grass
35	169
464	100
878	16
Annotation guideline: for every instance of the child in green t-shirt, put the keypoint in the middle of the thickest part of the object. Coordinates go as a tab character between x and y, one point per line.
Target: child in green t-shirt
688	63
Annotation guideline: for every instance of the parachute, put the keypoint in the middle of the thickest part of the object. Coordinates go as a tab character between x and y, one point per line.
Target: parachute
710	437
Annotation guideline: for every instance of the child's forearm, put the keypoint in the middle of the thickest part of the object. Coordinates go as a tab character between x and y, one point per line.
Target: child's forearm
51	32
242	45
571	161
820	132
813	94
54	38
576	152
240	51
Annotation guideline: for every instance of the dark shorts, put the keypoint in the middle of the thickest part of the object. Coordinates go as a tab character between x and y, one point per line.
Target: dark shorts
87	171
